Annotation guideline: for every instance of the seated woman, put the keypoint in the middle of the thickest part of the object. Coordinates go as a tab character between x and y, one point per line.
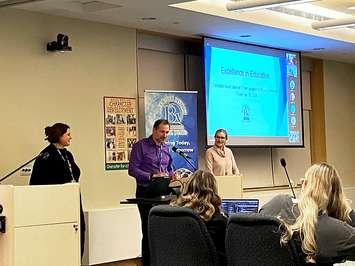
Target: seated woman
322	220
200	195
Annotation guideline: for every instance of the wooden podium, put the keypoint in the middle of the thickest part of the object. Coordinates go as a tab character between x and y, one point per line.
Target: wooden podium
230	187
42	225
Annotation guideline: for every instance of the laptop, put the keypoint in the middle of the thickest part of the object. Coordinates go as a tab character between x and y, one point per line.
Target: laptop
230	206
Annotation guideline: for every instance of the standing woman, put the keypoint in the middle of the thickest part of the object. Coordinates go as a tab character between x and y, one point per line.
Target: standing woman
56	165
219	159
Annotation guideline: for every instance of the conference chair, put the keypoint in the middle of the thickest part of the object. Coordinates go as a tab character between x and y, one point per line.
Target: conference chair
254	239
179	237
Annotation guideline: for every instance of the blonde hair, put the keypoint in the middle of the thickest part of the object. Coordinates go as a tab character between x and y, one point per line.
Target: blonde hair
321	194
200	195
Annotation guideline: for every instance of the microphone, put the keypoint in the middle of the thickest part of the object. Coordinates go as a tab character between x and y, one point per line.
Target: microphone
180	152
43	155
283	164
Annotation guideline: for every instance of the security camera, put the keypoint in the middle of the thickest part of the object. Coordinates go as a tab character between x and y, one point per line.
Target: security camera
61	45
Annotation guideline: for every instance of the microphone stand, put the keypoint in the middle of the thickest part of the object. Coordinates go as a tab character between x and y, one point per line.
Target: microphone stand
2	217
289	182
188	161
18	168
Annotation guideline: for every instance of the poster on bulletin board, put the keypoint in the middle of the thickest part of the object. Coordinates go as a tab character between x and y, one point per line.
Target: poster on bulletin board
120	131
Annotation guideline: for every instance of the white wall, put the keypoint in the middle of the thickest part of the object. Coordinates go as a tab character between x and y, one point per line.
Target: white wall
339	94
40	88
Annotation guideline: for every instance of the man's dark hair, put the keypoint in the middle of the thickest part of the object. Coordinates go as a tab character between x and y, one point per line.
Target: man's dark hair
54	132
160	122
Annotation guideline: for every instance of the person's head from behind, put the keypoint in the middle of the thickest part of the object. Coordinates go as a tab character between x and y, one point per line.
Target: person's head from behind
161	130
321	193
220	138
58	134
322	186
200	194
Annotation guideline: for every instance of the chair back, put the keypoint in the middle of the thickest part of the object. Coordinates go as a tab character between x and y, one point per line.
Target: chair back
254	239
177	236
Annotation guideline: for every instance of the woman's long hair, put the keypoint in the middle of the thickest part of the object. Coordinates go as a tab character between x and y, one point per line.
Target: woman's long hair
321	193
200	195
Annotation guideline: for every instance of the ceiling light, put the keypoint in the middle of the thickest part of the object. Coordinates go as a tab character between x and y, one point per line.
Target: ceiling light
250	5
8	3
326	13
95	6
148	18
333	23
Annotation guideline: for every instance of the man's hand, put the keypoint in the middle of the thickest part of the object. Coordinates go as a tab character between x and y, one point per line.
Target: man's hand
174	177
159	174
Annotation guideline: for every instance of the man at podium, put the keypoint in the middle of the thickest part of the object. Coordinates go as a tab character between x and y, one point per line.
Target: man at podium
56	165
151	165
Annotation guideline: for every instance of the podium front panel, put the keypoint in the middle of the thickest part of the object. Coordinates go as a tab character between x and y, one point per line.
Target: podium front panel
42	225
36	205
6	240
230	187
47	245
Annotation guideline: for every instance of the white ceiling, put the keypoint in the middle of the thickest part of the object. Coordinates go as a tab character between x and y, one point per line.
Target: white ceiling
210	18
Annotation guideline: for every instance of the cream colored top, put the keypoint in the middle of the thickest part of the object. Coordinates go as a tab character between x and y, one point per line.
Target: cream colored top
221	162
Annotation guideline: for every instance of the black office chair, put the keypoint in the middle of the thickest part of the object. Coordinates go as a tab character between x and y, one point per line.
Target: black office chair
254	239
177	236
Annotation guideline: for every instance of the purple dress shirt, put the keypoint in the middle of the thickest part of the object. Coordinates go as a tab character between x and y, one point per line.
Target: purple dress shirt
148	158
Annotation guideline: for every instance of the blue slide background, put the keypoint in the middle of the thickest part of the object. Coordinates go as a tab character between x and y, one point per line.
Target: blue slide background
245	106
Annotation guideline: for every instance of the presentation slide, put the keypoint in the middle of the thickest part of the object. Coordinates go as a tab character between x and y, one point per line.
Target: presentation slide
254	93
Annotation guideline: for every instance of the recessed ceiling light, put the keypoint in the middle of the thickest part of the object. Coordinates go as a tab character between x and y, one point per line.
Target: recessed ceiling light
95	6
245	36
148	18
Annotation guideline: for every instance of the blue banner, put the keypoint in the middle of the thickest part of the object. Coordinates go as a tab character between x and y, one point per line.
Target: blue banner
180	109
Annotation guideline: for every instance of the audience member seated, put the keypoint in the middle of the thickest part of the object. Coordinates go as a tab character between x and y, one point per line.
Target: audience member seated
322	221
200	195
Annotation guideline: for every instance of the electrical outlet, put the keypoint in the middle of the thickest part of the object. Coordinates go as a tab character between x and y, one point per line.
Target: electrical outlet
2	224
26	171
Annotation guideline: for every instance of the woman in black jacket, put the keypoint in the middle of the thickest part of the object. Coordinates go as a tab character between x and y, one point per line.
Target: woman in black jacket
56	165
